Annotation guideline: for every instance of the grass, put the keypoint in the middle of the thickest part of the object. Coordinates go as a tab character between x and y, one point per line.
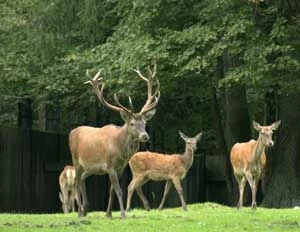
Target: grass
200	217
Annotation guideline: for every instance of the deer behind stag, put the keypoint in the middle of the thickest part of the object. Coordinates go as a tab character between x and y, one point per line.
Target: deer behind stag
106	150
147	166
68	194
249	159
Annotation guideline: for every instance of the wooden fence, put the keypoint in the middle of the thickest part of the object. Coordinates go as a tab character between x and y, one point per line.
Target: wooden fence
30	163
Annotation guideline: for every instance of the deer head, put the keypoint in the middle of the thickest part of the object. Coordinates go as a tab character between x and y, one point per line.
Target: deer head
191	142
135	122
266	132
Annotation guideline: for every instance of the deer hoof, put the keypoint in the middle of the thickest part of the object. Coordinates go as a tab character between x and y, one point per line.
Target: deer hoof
81	214
123	216
239	206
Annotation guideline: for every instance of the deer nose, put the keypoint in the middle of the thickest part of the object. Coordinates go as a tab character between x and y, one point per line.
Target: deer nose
271	144
144	137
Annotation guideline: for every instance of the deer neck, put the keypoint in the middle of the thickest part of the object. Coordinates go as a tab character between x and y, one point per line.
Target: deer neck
129	144
259	148
188	156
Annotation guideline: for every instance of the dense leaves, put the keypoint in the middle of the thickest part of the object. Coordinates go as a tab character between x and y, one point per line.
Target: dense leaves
48	45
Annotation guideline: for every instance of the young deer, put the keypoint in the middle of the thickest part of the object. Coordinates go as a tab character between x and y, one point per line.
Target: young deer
248	159
67	195
147	166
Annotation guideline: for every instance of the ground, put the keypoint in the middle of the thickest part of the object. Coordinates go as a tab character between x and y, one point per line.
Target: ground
204	217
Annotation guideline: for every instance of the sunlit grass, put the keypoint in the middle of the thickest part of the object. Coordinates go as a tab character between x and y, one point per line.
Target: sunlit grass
200	217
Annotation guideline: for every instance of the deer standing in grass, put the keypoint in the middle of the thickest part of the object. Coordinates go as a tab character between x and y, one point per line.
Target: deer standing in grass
68	193
106	150
248	159
147	166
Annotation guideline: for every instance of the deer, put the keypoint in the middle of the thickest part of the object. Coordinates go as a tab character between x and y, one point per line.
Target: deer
154	166
68	194
106	150
248	160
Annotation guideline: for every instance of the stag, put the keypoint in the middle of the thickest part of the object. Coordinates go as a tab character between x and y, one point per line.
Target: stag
106	150
154	166
68	193
249	159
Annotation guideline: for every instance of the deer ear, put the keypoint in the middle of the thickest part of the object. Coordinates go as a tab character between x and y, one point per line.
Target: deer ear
148	115
124	115
275	125
61	197
198	136
256	125
183	136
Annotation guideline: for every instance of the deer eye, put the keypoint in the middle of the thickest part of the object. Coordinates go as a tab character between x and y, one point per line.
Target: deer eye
131	124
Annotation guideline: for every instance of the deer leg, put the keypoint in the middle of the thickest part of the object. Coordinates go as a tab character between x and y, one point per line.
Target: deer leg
252	184
168	186
84	196
65	201
73	203
142	197
74	199
242	182
110	201
115	184
69	201
180	193
81	212
129	194
78	200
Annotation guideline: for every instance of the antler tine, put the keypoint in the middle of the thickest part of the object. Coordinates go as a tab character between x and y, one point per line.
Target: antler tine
94	82
151	96
149	103
103	101
130	104
95	79
123	107
157	91
153	103
152	74
140	75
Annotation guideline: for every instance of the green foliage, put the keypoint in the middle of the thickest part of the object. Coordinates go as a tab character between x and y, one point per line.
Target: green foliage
48	45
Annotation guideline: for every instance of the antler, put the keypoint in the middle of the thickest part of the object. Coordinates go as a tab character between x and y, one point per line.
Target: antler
94	82
152	99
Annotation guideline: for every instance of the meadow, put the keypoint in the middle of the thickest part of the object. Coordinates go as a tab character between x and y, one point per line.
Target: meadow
200	217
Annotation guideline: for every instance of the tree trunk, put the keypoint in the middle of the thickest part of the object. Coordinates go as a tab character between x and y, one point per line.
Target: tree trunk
25	113
283	189
237	121
42	116
221	146
237	125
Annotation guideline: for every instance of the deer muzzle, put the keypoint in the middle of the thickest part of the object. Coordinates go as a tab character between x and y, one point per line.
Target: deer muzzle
270	143
144	137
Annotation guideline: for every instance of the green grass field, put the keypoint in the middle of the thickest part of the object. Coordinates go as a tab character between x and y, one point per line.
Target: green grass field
200	217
